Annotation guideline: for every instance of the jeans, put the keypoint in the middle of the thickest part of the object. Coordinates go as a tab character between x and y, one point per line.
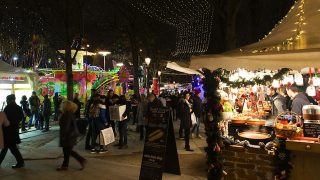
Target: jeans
67	152
113	125
123	131
46	122
15	151
56	113
89	136
181	131
141	129
34	115
195	129
187	137
23	123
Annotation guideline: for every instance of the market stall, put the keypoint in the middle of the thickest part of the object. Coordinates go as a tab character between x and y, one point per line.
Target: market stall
254	149
16	81
52	81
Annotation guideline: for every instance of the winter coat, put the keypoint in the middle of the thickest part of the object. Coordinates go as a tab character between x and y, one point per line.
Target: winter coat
278	104
185	115
298	102
197	106
34	102
68	129
77	113
141	112
46	108
25	108
11	133
4	122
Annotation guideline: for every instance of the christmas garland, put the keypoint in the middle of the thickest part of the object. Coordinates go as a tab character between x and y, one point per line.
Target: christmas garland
265	80
212	119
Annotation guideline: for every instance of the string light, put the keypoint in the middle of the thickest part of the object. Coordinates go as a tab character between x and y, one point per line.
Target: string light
297	39
191	18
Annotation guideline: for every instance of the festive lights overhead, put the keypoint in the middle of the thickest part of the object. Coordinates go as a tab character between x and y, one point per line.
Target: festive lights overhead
191	18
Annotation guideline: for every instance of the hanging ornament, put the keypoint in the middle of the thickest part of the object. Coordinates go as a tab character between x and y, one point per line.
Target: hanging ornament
316	81
276	83
311	91
298	79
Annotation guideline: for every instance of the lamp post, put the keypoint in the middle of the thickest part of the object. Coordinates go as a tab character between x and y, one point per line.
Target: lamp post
104	54
159	75
147	61
15	58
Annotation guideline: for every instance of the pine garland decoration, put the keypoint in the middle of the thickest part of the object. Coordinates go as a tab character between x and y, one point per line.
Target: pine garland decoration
212	119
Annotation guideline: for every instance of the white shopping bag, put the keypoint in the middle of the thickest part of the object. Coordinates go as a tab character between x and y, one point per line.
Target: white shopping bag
193	119
106	136
116	112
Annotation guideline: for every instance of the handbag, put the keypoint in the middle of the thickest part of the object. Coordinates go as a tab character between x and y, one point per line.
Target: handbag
106	136
193	119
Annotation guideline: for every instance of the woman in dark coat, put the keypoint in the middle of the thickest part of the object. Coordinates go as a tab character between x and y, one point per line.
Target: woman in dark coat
11	133
26	111
185	111
69	134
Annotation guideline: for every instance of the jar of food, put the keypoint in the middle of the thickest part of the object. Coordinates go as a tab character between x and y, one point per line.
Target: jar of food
311	112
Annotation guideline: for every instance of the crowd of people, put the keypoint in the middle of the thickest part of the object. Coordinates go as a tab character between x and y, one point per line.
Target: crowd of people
185	106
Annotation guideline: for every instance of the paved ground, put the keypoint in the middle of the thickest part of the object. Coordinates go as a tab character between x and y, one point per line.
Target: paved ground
42	155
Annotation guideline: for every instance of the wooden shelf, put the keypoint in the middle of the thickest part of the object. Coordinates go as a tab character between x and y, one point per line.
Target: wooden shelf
301	145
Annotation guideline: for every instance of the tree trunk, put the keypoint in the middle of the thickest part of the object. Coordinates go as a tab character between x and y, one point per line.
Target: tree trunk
68	62
135	62
68	59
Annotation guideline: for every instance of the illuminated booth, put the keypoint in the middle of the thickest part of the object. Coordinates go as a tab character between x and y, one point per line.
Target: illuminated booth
15	81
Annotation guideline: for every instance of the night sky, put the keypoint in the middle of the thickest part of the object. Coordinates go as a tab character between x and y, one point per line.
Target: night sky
106	25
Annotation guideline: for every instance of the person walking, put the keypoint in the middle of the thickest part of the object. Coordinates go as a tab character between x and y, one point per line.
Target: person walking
68	135
141	112
46	112
26	112
186	119
34	102
197	109
4	122
11	137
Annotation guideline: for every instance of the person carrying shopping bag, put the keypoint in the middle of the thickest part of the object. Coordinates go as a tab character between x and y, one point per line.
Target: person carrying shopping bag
68	135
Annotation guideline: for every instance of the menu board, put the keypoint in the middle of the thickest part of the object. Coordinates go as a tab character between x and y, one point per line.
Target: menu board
156	147
311	129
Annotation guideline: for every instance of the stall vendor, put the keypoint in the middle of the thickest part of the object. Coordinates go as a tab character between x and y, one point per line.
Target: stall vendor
299	99
278	101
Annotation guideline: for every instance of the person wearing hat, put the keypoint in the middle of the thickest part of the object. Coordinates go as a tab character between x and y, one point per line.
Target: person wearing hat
11	137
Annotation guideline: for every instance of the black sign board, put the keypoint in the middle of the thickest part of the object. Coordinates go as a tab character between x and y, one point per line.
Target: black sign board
159	146
311	129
